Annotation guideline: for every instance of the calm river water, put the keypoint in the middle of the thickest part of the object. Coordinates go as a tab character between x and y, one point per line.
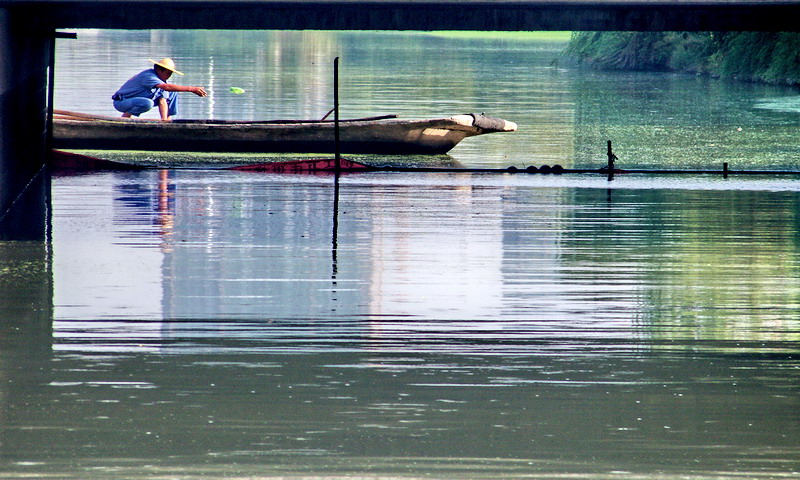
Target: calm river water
187	323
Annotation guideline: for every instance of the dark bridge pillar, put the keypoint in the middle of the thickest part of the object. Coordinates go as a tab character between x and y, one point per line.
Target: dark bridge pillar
24	187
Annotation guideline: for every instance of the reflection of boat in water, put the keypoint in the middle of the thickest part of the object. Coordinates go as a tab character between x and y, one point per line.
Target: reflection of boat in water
376	135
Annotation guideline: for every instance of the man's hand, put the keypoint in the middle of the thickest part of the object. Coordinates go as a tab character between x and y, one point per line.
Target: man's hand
199	91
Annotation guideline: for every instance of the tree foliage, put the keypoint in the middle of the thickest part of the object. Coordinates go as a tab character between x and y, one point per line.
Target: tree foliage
758	56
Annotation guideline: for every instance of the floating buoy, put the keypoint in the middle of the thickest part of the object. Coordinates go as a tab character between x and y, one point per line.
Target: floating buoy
545	169
512	168
236	90
558	169
531	169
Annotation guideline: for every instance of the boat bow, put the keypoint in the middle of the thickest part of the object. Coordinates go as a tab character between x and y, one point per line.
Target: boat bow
484	123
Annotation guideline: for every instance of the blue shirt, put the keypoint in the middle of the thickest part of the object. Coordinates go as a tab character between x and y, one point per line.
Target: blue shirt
143	84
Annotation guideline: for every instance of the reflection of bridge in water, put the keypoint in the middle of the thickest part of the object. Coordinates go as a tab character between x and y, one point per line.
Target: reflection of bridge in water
27	30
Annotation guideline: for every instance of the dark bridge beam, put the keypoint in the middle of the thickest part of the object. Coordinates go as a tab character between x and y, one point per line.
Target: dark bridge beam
416	14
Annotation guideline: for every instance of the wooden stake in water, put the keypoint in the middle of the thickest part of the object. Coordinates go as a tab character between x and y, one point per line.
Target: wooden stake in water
611	158
338	164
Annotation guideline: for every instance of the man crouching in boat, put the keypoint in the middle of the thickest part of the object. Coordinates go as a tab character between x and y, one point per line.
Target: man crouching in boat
149	88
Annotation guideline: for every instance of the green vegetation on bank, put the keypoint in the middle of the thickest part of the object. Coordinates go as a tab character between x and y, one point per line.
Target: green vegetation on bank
772	57
548	36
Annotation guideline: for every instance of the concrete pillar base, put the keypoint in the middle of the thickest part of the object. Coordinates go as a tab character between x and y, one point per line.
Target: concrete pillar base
23	96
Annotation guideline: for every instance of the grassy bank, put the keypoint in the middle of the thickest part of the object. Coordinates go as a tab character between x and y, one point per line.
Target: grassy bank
556	37
772	57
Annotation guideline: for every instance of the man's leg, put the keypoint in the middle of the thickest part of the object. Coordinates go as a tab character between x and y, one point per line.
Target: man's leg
168	105
133	106
172	103
163	109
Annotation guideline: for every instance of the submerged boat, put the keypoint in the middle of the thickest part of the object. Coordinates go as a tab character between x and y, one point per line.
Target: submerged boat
377	135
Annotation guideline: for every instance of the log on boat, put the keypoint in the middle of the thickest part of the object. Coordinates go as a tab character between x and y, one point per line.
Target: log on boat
377	135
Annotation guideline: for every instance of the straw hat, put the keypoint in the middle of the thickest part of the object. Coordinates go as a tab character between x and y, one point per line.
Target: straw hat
167	63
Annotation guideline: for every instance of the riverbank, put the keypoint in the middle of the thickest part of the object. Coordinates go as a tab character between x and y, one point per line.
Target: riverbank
771	57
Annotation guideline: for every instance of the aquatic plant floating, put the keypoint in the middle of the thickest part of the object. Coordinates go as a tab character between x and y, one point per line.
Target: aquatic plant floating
237	90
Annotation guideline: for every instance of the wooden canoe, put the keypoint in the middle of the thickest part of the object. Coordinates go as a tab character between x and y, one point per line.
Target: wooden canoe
376	135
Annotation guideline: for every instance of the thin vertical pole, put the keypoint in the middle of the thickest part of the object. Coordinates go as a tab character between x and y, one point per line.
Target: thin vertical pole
724	169
335	233
338	164
337	171
610	162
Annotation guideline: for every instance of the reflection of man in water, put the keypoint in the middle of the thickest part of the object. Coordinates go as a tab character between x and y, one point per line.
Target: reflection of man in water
149	88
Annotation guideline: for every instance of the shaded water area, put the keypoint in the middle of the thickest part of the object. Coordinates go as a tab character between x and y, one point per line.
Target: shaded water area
183	323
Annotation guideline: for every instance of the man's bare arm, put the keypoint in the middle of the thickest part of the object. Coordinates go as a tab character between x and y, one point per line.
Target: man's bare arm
199	91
